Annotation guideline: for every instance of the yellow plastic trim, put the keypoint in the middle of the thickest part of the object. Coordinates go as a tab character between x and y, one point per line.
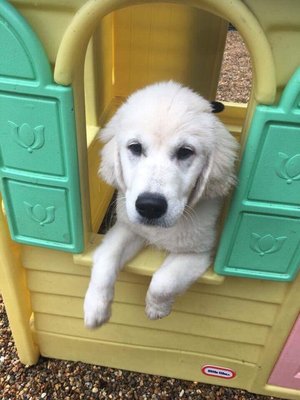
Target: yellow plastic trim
16	296
71	53
277	391
144	264
233	117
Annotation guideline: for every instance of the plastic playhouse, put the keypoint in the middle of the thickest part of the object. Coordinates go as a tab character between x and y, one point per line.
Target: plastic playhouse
64	68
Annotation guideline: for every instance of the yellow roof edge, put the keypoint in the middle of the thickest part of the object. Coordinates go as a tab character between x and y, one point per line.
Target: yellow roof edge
74	44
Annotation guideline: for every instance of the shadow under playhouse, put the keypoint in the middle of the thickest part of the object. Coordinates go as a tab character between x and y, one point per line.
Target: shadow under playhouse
65	66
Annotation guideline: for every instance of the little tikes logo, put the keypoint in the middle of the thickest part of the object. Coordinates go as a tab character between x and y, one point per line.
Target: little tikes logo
218	372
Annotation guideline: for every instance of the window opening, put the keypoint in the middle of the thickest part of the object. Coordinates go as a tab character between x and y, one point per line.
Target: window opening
236	72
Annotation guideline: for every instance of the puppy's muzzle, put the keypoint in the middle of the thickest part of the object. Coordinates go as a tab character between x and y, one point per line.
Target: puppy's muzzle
151	205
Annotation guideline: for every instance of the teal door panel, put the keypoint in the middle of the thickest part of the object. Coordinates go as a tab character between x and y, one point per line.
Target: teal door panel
266	245
38	213
22	56
14	60
39	173
261	236
31	134
277	174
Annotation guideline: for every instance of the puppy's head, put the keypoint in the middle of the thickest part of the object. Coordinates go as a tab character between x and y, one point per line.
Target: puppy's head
164	150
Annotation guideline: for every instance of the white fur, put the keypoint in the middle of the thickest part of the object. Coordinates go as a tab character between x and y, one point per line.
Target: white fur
162	117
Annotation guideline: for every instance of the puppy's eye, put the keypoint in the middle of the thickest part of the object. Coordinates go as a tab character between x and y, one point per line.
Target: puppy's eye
183	153
135	148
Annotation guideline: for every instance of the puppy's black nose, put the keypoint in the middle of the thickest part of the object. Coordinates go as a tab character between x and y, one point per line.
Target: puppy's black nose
151	205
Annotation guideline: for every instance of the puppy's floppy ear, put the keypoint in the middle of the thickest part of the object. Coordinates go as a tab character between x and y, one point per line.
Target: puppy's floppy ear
217	176
110	165
217	106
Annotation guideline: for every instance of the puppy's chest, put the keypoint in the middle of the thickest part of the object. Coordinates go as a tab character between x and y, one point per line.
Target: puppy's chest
194	234
180	239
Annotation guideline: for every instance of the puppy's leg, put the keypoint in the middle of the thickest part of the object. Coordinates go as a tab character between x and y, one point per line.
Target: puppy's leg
176	274
118	246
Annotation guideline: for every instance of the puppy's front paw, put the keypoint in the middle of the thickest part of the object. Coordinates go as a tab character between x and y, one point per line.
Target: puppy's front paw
97	309
157	308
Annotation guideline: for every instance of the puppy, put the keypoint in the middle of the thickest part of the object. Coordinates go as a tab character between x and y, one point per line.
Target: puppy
172	161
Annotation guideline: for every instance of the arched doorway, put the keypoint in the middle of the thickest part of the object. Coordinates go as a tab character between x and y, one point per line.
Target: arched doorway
70	62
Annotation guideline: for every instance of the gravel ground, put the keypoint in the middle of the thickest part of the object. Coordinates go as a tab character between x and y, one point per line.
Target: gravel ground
54	379
236	73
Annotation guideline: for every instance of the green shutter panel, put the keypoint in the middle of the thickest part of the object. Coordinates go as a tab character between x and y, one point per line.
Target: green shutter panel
38	153
261	237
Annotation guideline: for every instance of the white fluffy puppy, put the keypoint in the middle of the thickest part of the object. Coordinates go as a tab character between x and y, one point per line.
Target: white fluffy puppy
172	161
